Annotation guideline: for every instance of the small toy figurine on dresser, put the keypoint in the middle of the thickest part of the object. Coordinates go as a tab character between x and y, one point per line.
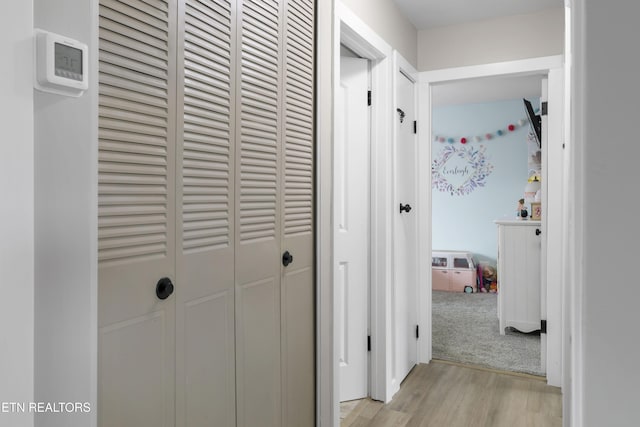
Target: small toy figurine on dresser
522	210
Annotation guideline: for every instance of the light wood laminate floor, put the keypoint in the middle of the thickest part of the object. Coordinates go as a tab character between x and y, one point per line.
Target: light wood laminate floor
445	394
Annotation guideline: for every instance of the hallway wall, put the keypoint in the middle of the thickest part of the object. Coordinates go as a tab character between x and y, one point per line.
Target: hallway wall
16	211
66	228
606	94
384	17
494	40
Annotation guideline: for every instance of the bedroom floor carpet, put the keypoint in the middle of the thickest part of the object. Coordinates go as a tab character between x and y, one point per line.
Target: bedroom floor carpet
465	330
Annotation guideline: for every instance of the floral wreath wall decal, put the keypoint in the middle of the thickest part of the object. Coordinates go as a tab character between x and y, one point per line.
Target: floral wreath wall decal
460	169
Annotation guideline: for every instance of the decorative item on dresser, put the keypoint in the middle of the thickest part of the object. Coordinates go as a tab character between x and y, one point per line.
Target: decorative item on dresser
536	211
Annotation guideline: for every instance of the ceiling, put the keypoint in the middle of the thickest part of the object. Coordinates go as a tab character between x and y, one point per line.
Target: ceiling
426	14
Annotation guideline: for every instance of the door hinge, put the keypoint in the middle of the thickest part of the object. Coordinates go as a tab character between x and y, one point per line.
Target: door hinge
368	342
369	98
415	126
543	326
543	111
417	331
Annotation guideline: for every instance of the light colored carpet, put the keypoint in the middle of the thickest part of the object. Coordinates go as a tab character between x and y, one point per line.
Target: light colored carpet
465	330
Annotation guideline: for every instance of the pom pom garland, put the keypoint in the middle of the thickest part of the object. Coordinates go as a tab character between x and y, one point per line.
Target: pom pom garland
511	127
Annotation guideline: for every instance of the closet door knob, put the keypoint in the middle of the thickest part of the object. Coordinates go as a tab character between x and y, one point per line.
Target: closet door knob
287	258
164	288
538	232
406	208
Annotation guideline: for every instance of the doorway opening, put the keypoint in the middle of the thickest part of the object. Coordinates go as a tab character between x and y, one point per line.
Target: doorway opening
551	226
483	154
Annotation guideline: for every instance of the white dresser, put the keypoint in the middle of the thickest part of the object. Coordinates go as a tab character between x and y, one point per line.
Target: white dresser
519	253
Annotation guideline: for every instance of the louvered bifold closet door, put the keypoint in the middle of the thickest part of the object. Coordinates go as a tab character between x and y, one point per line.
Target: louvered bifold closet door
136	235
205	179
257	213
205	347
298	291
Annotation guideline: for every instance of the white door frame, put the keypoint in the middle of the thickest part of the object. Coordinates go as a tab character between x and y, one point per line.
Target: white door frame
352	32
551	66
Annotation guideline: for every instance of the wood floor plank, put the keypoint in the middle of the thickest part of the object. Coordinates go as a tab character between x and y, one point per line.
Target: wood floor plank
413	390
452	395
432	408
546	400
362	414
474	390
390	418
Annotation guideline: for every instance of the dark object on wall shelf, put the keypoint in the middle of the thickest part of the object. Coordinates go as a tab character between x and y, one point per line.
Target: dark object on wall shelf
535	121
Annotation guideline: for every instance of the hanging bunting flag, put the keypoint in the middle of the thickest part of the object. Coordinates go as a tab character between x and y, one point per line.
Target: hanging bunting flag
511	127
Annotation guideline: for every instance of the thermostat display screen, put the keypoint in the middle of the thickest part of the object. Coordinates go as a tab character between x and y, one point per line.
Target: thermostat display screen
61	64
68	62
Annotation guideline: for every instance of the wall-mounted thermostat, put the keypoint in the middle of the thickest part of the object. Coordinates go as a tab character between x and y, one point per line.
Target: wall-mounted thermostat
61	64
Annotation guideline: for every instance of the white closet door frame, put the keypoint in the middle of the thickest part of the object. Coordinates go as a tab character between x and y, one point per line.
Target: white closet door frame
327	405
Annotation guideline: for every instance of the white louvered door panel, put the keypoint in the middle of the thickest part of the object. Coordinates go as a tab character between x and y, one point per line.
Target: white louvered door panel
136	236
298	292
205	353
257	214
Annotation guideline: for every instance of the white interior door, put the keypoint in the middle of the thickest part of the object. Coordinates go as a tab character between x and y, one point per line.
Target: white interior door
351	217
544	141
553	225
406	229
